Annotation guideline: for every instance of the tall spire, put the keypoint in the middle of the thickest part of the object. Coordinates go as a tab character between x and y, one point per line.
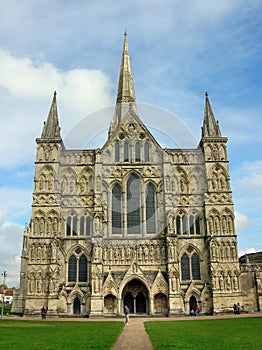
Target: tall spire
126	91
210	125
51	127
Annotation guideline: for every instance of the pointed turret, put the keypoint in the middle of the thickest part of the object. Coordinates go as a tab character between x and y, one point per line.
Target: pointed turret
210	125
51	129
126	91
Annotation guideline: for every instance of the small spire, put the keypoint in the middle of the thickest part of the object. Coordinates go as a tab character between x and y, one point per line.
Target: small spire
126	91
51	127
210	126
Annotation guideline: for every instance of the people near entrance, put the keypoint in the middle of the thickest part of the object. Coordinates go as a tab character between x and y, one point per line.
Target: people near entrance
236	308
43	312
197	309
127	314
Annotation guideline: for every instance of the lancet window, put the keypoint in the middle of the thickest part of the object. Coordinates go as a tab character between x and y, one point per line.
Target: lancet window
116	209
187	224
190	265
127	151
77	267
78	226
127	209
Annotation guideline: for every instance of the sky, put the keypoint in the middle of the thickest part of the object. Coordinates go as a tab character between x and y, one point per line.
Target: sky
178	49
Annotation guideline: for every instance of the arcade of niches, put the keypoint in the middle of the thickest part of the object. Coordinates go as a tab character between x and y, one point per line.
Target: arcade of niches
130	223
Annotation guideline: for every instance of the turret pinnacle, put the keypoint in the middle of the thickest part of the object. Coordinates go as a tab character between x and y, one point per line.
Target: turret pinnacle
210	125
126	91
51	127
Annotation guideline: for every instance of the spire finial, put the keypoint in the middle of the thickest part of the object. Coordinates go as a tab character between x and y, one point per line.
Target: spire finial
210	126
125	86
51	127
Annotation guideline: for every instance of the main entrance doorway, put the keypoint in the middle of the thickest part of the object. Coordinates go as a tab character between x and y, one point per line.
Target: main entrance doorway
135	296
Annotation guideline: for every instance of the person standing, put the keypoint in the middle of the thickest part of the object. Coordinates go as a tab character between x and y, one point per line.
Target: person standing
197	310
43	313
127	314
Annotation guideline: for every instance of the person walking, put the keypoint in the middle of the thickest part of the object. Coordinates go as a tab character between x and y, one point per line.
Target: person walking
43	313
127	314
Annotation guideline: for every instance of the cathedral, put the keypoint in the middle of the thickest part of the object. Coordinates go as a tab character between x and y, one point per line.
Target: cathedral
130	223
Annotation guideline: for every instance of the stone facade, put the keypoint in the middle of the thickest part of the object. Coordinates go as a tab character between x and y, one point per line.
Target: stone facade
251	281
130	223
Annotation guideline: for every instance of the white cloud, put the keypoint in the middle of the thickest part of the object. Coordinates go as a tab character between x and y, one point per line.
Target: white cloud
15	203
11	240
248	180
242	222
26	91
246	251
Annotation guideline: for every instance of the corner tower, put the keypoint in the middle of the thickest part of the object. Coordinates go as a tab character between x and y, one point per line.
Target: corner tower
219	213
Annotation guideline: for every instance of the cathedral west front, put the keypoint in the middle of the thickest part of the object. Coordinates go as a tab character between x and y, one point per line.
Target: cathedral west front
130	223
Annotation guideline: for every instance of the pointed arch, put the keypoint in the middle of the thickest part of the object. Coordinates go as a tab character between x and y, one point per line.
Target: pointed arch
190	263
77	265
150	208
116	209
218	176
126	151
85	224
137	151
146	151
133	205
117	151
181	222
72	267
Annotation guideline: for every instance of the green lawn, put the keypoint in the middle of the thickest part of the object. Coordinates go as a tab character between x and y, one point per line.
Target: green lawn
55	335
228	334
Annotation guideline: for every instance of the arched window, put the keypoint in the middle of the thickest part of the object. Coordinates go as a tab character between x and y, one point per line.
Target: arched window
195	267
197	222
126	152
185	267
146	151
117	152
74	226
191	224
133	205
116	209
137	152
190	265
194	223
72	269
178	225
85	225
77	266
68	226
71	225
187	224
82	270
184	223
181	223
150	209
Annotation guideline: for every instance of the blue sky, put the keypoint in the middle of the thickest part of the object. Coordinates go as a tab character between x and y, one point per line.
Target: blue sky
179	49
